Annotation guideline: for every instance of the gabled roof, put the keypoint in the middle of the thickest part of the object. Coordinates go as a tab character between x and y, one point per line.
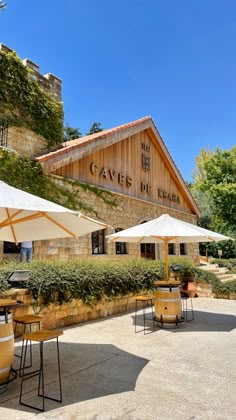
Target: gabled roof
80	148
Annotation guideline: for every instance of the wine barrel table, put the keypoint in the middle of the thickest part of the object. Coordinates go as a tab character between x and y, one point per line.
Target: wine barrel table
168	306
6	341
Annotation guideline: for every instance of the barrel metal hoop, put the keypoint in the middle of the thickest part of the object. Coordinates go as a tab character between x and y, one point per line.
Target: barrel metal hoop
168	300
4	322
5	370
7	338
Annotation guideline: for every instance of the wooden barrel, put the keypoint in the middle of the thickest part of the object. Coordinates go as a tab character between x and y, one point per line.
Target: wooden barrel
6	347
168	305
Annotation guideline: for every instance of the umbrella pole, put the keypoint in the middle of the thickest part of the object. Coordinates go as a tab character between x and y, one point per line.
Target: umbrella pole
166	261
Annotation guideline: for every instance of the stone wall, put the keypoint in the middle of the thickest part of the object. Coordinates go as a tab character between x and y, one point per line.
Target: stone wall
26	142
75	312
128	212
56	316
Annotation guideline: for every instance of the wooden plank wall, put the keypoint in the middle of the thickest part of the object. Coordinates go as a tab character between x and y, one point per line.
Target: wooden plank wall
120	168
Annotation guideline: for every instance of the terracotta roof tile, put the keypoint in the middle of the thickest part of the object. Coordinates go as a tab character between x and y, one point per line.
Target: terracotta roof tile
72	144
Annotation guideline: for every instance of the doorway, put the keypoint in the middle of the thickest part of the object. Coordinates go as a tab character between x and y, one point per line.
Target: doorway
147	251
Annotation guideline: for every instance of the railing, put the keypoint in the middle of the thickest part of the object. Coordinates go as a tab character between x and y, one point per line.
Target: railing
3	131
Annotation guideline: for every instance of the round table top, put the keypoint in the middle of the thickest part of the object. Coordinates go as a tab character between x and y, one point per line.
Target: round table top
166	283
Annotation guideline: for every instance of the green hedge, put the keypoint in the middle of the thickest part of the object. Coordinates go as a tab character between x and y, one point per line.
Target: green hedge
87	280
92	281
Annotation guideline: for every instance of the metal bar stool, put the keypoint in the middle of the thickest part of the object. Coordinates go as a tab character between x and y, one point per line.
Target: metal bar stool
185	297
40	337
26	320
144	302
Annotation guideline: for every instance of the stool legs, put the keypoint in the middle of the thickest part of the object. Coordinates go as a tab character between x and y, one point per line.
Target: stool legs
40	374
185	308
21	355
145	304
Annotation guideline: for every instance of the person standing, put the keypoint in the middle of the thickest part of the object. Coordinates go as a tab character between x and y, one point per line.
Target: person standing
26	251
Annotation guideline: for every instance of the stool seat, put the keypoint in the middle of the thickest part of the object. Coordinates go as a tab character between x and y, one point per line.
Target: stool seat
27	319
42	335
143	298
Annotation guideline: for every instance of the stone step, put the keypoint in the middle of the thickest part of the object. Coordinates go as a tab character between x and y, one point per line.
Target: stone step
233	277
224	276
221	272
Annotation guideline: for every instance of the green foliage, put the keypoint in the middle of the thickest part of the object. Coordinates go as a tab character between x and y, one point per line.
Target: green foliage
203	200
230	263
3	281
107	196
215	183
228	249
183	265
87	280
221	290
25	103
95	128
92	281
214	190
2	5
71	133
23	173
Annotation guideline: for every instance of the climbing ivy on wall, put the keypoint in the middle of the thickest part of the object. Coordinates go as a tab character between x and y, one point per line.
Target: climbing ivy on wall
25	103
26	174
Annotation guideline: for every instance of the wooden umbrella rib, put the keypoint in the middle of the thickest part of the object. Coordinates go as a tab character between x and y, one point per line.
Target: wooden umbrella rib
87	218
59	225
114	239
164	238
9	221
12	230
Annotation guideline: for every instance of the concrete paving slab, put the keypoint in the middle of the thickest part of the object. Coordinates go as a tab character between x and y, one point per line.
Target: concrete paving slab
110	373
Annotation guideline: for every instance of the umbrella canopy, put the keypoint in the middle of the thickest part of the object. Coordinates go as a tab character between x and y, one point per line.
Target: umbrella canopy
166	229
25	217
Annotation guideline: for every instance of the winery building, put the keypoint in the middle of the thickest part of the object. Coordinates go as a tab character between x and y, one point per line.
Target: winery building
133	165
124	176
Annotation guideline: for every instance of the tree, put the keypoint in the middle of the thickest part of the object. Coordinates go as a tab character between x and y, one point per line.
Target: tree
214	190
199	173
2	5
71	133
95	128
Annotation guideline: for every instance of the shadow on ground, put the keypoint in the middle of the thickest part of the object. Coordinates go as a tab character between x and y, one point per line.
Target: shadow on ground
88	371
203	321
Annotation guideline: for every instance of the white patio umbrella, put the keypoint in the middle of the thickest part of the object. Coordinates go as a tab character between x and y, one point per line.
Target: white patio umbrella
166	229
25	217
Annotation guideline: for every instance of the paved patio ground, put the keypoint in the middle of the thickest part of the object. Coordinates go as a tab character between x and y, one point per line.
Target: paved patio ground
111	373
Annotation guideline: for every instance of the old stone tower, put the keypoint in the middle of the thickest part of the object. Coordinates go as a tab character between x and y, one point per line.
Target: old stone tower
20	137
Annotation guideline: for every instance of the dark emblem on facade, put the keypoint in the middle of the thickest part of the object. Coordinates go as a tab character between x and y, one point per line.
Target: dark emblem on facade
146	162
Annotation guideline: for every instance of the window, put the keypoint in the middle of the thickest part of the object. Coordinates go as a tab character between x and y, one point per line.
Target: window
183	249
98	242
120	246
11	248
171	249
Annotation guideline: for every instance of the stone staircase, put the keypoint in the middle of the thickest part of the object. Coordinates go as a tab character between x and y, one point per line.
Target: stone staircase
221	272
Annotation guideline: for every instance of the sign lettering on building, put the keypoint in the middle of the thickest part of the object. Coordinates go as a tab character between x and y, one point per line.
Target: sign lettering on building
111	174
122	179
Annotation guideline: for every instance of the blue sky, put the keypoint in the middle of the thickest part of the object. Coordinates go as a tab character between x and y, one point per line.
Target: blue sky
122	60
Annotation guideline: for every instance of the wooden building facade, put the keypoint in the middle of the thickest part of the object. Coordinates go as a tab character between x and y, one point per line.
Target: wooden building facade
133	164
